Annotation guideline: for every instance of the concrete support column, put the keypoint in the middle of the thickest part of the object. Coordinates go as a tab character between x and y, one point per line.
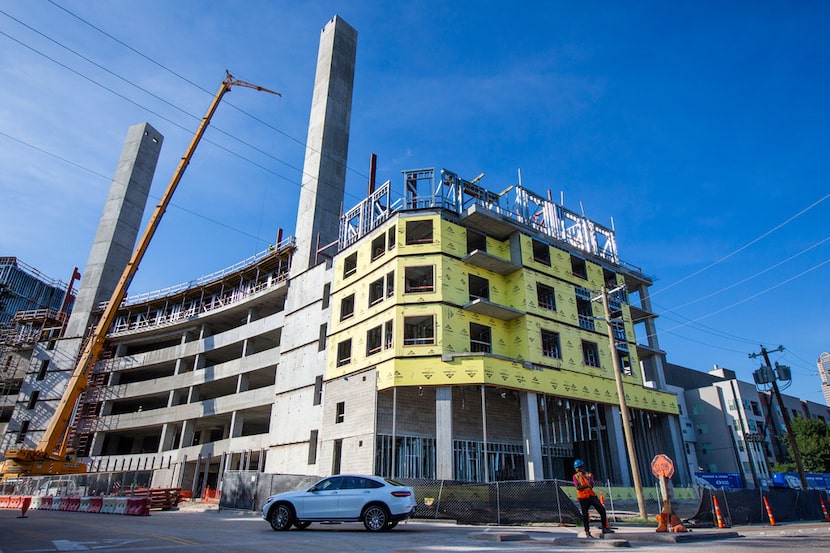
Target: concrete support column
165	430
188	429
616	442
168	437
243	383
531	436
443	433
237	419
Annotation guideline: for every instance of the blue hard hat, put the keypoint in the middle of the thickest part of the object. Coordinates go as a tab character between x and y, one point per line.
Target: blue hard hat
578	463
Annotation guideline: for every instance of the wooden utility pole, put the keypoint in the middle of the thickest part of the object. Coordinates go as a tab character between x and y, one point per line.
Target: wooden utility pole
784	414
626	423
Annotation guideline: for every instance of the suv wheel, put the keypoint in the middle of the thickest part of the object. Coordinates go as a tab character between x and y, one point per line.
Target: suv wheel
282	516
375	518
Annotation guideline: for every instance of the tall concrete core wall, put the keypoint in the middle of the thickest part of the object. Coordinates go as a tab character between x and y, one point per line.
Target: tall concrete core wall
119	224
327	146
110	253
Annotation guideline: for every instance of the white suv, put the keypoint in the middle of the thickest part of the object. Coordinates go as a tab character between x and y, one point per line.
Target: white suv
378	502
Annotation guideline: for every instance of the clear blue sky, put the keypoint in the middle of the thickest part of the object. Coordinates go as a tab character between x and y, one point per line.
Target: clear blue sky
701	128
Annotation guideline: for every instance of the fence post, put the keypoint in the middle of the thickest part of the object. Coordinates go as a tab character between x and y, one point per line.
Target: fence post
438	502
558	501
611	499
498	505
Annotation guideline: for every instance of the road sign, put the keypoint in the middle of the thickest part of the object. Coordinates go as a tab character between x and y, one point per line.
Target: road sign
662	465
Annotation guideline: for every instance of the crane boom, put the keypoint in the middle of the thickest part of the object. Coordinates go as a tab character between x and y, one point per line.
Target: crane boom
54	444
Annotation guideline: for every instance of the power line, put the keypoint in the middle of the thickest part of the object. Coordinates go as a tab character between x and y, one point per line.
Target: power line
124	79
129	82
745	246
753	296
755	275
105	177
172	72
175	124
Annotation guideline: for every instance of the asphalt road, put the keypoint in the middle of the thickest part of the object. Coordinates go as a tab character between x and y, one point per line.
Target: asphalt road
190	530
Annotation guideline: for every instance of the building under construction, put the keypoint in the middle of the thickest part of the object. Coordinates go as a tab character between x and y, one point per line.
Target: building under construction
32	307
435	330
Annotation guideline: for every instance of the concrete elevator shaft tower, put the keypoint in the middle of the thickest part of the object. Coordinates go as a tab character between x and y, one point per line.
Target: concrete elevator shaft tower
327	145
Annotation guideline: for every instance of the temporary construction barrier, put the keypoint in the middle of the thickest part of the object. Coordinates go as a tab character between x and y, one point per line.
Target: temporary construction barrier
95	504
138	506
73	504
120	505
56	503
108	506
739	507
46	503
84	507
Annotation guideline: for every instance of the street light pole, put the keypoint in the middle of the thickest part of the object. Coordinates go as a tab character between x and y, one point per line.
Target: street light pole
626	423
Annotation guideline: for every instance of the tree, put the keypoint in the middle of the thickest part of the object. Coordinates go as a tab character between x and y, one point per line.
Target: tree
813	440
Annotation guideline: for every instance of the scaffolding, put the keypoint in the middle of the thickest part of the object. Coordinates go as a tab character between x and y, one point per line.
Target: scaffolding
469	200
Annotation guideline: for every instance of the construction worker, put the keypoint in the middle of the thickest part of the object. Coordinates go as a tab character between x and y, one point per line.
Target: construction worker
584	482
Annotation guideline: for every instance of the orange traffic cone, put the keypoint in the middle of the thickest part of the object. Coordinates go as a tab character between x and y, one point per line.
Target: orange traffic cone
717	511
824	510
769	512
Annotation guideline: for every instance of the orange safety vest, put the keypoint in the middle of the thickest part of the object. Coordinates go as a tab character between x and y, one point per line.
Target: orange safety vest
584	479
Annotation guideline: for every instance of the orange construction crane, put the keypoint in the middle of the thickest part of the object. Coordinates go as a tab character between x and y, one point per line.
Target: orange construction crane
53	454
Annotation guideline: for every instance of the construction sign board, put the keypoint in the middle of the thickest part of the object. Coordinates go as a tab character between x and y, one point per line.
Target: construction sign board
662	465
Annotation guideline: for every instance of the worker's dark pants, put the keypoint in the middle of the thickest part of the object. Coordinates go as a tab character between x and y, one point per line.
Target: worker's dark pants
586	504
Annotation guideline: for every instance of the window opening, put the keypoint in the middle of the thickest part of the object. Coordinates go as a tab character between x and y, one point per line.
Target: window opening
419	232
479	288
541	252
418	330
480	338
419	279
388	339
350	265
312	447
33	399
347	307
545	296
374	339
550	344
376	292
578	267
590	354
344	352
586	313
476	241
391	237
318	390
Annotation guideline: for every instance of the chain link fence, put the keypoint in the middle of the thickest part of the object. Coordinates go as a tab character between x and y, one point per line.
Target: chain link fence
89	484
496	503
